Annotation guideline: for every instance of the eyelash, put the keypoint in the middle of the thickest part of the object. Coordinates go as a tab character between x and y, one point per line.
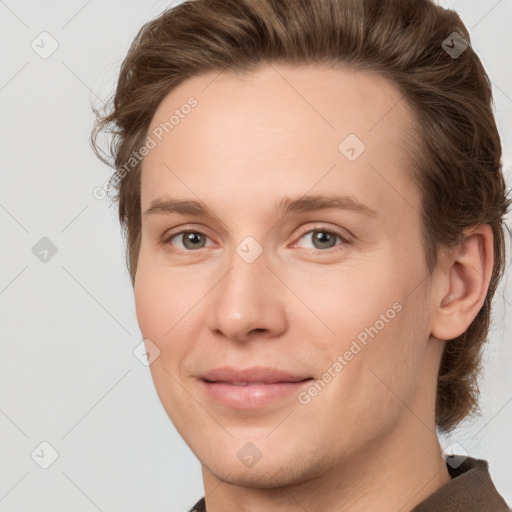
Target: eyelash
331	231
323	229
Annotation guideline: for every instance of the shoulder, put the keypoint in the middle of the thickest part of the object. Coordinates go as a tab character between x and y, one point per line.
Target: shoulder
470	488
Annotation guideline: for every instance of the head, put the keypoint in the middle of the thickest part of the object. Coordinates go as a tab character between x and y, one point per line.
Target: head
288	100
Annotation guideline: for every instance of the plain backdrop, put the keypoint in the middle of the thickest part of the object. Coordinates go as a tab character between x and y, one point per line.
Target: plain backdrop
68	375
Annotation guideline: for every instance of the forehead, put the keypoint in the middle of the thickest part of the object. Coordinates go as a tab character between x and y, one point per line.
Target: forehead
284	126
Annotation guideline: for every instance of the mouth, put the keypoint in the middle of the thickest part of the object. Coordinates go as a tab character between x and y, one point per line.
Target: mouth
252	388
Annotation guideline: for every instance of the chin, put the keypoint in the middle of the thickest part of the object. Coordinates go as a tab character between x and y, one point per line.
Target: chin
263	477
272	471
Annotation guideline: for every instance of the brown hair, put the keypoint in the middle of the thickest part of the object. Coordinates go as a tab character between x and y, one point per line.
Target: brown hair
457	155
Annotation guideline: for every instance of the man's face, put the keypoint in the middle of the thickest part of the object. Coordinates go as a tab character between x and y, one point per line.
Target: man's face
335	295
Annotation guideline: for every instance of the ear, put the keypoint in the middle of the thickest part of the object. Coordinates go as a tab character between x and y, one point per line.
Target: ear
462	283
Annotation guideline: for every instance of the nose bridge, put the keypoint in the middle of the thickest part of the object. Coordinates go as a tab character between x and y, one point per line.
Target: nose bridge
244	286
245	298
247	262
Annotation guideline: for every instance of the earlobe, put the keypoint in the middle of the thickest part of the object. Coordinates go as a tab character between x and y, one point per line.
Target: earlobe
463	283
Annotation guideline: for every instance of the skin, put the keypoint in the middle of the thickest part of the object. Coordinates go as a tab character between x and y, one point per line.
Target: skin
367	441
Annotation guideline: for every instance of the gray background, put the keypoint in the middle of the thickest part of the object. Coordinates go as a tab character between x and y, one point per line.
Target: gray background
68	375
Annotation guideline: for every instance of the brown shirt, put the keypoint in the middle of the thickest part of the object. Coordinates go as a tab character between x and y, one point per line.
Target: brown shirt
470	490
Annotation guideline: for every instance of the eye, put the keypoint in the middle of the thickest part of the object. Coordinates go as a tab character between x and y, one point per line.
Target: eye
190	240
323	238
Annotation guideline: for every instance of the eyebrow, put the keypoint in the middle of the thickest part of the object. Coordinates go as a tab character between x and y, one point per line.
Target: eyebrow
167	205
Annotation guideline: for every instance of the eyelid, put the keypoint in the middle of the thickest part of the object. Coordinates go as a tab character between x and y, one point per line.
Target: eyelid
182	230
319	226
344	235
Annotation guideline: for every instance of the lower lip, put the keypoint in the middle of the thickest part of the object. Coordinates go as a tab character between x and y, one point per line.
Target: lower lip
251	396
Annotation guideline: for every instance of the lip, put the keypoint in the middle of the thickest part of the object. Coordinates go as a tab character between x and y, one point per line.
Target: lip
250	388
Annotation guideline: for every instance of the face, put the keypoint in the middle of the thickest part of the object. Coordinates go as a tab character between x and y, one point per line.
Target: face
298	270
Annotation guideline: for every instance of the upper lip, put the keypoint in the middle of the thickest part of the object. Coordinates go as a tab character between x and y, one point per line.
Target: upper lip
261	374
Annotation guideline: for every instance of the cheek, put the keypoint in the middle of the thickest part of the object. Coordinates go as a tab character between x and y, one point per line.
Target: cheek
158	302
159	294
159	310
164	304
148	301
370	314
347	301
389	364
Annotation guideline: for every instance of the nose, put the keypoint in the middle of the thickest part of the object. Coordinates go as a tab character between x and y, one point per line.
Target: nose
248	301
